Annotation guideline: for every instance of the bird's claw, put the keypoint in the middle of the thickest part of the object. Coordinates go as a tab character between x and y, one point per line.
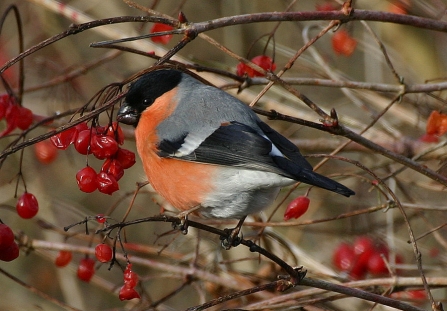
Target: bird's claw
183	225
231	239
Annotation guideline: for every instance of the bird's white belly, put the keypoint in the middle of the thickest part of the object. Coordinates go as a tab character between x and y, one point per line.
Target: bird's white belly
239	192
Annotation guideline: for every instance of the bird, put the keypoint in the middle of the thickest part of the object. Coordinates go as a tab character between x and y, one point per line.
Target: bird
204	150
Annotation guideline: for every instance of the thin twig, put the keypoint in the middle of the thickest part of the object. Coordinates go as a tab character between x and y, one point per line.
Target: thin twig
37	291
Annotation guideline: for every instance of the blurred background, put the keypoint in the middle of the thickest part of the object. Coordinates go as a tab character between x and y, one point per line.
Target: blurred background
163	259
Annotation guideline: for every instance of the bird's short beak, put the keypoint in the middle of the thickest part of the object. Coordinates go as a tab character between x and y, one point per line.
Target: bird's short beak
127	115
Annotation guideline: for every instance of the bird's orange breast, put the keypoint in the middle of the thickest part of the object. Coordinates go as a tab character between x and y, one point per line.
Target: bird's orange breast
183	184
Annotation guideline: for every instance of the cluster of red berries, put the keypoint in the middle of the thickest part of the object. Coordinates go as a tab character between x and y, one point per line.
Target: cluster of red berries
15	115
86	267
104	143
9	250
127	291
436	126
26	207
297	207
361	257
263	61
159	27
20	117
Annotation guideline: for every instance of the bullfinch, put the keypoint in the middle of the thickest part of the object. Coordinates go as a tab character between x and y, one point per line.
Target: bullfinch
202	147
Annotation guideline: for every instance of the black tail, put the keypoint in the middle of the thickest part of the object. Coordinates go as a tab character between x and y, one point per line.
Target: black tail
295	165
315	179
310	177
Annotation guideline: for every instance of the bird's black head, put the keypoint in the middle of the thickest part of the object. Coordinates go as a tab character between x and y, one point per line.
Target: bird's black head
143	92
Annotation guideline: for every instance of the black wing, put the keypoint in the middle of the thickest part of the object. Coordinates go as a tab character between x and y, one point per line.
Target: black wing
285	146
232	144
236	144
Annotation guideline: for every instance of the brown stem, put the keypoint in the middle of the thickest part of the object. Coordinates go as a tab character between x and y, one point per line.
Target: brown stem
353	292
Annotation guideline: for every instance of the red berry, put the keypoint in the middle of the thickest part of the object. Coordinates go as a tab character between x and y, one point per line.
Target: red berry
130	277
107	183
81	127
262	61
83	141
87	179
158	27
128	293
363	244
297	207
6	237
12	111
45	151
116	132
265	62
376	264
343	43
436	123
86	269
101	130
63	139
24	118
113	167
27	206
363	249
125	157
100	218
63	258
103	252
103	146
344	257
432	123
243	69
10	253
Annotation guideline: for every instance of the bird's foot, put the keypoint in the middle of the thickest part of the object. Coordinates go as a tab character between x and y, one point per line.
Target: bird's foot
183	216
232	239
183	224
